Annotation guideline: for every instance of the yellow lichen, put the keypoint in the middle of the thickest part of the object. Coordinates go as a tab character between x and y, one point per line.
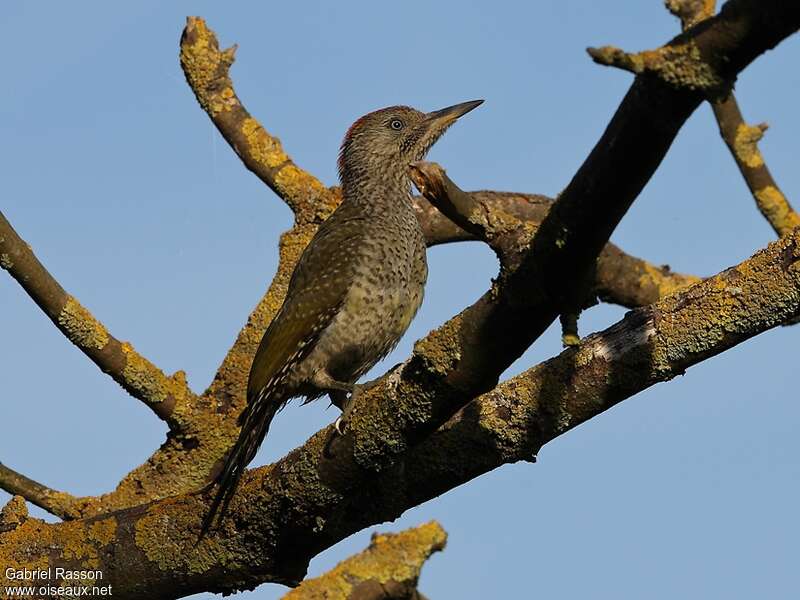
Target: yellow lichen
5	261
81	541
570	339
143	377
665	283
683	66
680	65
441	349
300	186
775	207
163	539
745	145
103	531
81	327
389	557
204	65
14	513
19	548
263	147
757	294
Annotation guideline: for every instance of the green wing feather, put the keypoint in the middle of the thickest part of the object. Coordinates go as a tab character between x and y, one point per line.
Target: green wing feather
317	289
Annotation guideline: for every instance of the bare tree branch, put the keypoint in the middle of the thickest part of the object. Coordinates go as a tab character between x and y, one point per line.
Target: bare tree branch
288	512
57	503
387	570
742	139
457	205
166	396
206	70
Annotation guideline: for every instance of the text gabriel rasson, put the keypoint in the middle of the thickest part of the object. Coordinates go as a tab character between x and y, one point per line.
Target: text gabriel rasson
50	573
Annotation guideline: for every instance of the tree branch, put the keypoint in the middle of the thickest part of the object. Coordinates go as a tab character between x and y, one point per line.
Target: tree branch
166	396
388	569
507	223
742	139
57	503
691	12
288	512
465	357
206	69
181	463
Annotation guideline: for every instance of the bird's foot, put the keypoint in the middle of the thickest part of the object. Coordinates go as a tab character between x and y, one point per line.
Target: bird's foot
341	422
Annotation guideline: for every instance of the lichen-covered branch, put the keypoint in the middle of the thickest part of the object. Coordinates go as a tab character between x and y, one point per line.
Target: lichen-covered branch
206	69
388	569
678	64
166	396
707	58
189	457
691	12
507	222
506	234
208	74
742	141
465	356
740	138
400	448
13	514
650	345
629	281
57	503
288	512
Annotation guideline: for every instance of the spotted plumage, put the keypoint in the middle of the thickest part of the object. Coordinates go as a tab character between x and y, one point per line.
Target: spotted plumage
356	287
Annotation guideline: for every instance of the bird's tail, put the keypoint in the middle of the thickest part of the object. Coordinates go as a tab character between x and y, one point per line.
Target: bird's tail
255	420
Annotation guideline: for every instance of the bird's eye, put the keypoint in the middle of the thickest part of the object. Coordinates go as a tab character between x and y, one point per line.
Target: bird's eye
396	124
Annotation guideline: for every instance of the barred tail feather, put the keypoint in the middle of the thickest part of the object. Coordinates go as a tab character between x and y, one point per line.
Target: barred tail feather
256	419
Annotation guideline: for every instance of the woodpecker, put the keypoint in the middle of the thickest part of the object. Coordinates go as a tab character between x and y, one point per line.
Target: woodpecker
355	289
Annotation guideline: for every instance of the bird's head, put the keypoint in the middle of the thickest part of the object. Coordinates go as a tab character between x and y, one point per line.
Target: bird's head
383	143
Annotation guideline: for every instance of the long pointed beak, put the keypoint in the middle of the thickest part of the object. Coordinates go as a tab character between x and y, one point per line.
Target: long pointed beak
451	113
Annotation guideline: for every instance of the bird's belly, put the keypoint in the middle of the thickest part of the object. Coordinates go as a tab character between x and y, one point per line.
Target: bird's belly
369	325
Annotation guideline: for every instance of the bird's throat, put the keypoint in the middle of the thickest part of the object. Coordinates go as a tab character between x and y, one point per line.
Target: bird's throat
373	193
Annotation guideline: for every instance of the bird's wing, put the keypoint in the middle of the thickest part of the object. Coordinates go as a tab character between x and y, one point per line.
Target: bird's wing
317	289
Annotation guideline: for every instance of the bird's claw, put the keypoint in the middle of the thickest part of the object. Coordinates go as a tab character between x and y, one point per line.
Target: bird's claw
344	419
340	425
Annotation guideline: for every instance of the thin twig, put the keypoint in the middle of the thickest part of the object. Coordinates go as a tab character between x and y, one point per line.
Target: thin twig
741	138
57	503
165	396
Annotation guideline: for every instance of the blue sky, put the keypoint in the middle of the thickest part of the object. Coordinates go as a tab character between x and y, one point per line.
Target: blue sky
135	204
